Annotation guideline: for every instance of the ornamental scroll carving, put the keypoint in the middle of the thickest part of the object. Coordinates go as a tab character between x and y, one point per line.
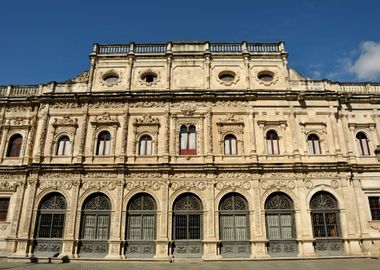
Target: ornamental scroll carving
97	175
176	185
106	104
188	105
65	121
278	184
230	123
99	185
147	104
233	104
144	175
105	119
55	184
65	105
188	175
142	185
233	184
7	176
18	122
234	175
57	175
19	109
8	186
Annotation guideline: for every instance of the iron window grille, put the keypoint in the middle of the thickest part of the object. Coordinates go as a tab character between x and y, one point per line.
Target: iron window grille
325	215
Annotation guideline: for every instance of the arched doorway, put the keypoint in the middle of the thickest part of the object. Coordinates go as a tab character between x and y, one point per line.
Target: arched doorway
234	226
50	225
95	226
187	226
281	231
141	226
325	221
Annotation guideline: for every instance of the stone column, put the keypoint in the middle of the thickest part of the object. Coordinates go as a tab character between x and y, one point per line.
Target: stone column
163	221
83	136
43	133
24	243
71	235
124	136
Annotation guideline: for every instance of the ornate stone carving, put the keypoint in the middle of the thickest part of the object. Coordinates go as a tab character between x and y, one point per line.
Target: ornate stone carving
106	104
267	184
308	184
65	121
97	175
9	176
234	175
57	175
144	175
335	183
234	184
142	185
8	186
111	185
55	184
18	122
200	185
65	105
188	110
82	78
105	118
19	108
147	104
188	175
234	104
321	174
185	105
147	119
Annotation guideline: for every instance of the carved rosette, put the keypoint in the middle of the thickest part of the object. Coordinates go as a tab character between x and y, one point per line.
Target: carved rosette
55	184
142	185
189	185
308	184
233	184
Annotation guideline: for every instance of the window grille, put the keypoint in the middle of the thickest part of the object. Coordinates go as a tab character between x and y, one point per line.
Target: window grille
187	218
233	217
96	217
51	216
141	218
279	217
324	215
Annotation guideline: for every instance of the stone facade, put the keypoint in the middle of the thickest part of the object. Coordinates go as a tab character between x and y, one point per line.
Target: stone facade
189	150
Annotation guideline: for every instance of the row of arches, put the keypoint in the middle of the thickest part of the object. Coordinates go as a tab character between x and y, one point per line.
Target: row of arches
187	146
187	223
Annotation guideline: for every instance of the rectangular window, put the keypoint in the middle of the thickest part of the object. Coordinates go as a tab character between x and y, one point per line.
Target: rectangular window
4	204
374	205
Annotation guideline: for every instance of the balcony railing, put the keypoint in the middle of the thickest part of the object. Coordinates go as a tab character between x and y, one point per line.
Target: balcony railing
20	90
226	47
182	47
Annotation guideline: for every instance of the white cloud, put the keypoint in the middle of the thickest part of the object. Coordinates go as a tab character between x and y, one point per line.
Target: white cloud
367	65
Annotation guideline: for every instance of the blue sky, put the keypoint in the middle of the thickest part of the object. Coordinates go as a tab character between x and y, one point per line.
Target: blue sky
47	40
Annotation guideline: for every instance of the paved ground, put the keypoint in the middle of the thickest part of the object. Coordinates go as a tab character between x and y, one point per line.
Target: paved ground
320	264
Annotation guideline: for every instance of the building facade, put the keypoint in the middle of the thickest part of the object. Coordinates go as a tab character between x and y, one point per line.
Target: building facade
190	150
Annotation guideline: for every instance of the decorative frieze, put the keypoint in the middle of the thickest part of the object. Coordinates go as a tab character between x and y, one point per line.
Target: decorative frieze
55	184
234	175
99	185
8	186
267	184
233	184
142	185
189	185
144	175
188	175
99	175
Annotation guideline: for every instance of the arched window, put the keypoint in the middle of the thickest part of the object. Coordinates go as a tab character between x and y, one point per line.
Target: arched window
314	145
51	216
324	215
187	226
145	145
103	144
63	146
187	217
14	146
362	142
230	145
233	217
273	147
188	144
141	224
279	217
50	224
96	215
